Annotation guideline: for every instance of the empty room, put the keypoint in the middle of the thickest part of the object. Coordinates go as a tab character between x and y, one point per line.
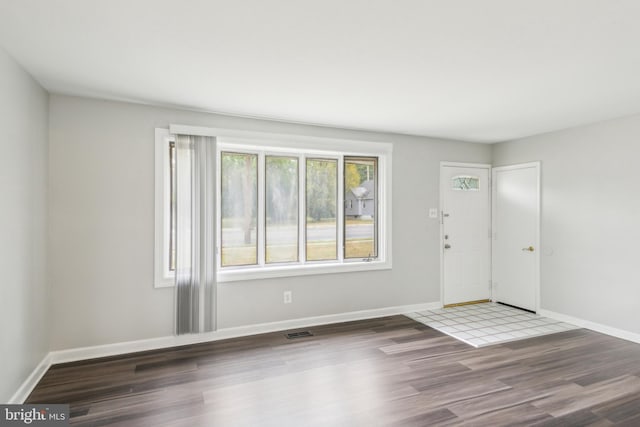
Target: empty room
320	213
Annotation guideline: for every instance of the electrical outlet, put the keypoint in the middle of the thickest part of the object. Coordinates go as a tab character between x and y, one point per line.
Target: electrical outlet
288	297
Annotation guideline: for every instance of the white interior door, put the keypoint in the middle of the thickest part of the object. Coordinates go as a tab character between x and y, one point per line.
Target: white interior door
466	239
516	220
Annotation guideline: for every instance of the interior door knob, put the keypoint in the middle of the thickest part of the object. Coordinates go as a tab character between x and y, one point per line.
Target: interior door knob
529	249
447	246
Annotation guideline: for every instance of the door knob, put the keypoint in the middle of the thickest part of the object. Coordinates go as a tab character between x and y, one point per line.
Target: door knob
447	246
529	249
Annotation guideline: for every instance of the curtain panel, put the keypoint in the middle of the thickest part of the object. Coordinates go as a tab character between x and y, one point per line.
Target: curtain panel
195	234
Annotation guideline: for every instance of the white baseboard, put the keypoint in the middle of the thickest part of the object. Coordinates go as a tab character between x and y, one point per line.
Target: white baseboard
83	353
598	327
29	384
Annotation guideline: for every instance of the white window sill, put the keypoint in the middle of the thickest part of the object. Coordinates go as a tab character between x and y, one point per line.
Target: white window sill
243	274
298	270
165	282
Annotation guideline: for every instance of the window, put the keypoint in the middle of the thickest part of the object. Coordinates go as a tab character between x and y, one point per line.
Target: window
465	183
165	256
239	207
321	226
281	209
360	188
291	206
172	206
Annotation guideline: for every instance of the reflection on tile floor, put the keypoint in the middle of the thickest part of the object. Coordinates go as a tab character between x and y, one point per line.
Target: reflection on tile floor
489	323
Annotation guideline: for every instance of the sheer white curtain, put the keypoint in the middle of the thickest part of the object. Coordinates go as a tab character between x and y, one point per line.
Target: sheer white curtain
195	234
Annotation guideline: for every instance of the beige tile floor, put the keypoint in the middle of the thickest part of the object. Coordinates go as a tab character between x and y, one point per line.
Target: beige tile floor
485	324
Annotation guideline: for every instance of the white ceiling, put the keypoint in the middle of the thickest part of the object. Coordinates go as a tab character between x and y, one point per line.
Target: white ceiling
476	70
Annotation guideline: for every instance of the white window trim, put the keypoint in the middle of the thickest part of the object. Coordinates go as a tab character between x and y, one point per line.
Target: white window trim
162	277
234	140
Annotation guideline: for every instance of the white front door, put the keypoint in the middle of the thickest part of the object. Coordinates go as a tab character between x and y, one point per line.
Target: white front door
516	219
466	241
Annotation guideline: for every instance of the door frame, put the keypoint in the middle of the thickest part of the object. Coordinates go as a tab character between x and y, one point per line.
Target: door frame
536	243
488	167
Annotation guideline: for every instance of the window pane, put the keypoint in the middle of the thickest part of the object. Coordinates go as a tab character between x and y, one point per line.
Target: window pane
239	208
465	183
321	227
281	209
360	207
172	206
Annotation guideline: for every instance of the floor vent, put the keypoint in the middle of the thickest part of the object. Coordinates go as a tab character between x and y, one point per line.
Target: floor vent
303	334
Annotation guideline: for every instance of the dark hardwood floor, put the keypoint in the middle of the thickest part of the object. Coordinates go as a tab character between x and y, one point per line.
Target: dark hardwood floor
387	371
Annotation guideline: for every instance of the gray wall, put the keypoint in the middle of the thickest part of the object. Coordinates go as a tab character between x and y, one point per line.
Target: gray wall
23	211
590	262
101	222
